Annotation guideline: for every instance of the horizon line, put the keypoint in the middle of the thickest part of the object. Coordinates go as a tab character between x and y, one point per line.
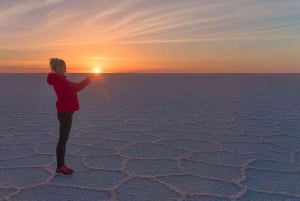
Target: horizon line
106	73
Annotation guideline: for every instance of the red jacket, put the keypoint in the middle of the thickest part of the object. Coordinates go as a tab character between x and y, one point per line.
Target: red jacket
66	92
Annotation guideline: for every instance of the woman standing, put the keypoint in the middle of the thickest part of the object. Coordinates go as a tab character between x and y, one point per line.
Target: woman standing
66	104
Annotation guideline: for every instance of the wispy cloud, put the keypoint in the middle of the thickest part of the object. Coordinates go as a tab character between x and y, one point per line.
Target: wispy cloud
23	8
198	22
139	21
158	19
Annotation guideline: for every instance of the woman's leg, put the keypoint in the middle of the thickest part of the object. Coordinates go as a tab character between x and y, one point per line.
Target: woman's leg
65	123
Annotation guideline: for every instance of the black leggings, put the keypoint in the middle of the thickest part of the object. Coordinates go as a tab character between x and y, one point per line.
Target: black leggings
65	123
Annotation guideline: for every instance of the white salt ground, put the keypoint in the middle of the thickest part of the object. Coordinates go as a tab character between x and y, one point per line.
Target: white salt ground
154	137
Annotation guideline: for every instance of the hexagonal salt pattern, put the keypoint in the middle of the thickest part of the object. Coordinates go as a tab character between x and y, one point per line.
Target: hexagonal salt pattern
155	139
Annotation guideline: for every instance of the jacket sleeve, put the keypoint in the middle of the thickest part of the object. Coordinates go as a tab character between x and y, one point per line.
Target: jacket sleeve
81	85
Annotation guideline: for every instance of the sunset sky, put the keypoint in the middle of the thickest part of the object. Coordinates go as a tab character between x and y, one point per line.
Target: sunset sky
204	36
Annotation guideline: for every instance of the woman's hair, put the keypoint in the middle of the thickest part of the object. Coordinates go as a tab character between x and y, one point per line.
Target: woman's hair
56	62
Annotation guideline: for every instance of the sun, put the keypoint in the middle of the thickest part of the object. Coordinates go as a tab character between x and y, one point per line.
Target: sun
97	70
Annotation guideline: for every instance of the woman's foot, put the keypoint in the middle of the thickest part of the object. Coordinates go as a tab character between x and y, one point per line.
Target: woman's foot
71	170
64	170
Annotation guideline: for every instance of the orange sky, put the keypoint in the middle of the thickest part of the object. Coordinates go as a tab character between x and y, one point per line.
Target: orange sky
151	36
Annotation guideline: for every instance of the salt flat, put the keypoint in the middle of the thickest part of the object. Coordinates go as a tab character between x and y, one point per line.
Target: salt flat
154	137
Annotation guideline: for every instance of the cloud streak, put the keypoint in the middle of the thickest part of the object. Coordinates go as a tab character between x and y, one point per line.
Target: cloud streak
23	8
198	22
193	21
161	21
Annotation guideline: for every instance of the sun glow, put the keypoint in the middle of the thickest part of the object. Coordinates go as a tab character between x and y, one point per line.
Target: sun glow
97	70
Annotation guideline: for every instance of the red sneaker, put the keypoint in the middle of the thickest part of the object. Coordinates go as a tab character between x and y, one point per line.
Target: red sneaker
71	170
63	170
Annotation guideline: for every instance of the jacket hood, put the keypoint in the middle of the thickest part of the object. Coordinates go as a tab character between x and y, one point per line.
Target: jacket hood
53	78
